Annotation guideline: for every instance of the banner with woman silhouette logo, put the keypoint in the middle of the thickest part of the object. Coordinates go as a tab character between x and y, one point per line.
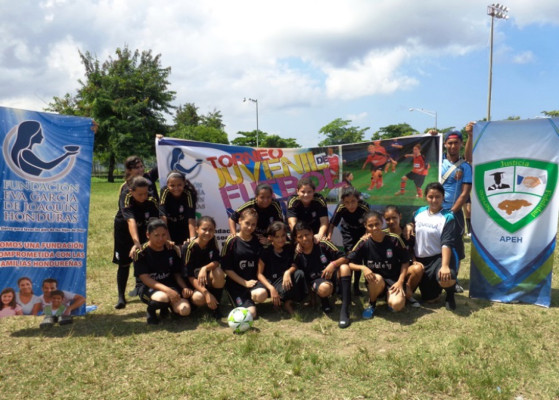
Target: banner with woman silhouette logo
515	204
45	185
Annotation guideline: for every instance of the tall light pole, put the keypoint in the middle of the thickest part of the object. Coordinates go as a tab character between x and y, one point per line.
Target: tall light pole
431	113
495	11
255	101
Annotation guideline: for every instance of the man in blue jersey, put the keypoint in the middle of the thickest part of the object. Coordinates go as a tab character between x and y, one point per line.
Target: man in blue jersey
456	178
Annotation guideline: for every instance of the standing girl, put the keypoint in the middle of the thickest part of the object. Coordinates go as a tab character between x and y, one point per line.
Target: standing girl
267	208
130	229
384	261
276	271
239	257
178	203
8	305
308	206
350	212
201	259
159	271
322	264
436	232
393	219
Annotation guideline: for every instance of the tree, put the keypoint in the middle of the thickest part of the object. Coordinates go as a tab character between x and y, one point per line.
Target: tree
201	133
264	140
338	132
213	119
552	114
127	96
186	115
393	131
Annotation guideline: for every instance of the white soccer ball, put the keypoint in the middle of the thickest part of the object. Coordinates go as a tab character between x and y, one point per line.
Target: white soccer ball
240	319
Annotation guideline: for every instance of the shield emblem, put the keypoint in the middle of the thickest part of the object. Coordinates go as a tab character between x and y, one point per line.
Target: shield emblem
515	191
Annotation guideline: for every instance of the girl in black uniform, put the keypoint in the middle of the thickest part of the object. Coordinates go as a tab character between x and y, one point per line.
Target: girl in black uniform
178	202
350	212
201	258
384	261
276	271
309	207
159	271
393	219
134	166
135	210
322	263
239	257
268	209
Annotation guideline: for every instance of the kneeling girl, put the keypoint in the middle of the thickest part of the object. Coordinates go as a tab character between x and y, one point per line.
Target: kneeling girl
239	257
159	270
277	272
322	264
201	258
384	261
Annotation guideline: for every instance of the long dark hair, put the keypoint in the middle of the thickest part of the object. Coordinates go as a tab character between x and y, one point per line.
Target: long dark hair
187	184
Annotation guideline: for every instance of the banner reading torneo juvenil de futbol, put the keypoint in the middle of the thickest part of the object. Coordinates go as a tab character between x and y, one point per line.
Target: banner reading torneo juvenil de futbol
46	178
225	176
515	205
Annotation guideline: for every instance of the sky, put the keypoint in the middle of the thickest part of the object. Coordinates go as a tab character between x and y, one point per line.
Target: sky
306	62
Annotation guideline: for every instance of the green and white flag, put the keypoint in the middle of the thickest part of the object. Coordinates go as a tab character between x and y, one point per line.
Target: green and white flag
514	210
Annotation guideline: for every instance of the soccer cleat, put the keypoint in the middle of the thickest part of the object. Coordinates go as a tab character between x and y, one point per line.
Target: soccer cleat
164	312
368	312
413	302
344	322
120	304
65	320
399	193
133	292
449	302
152	316
217	314
326	307
459	289
47	322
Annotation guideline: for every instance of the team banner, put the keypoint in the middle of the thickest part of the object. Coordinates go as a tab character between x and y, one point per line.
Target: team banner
515	205
225	176
46	178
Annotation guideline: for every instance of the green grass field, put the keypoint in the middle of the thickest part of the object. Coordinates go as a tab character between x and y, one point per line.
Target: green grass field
482	351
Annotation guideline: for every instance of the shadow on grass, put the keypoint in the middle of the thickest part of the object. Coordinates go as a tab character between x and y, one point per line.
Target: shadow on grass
118	325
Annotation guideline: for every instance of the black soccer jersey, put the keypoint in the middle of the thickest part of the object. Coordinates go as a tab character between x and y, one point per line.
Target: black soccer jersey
159	265
178	211
352	224
241	257
141	212
384	258
321	255
265	215
275	264
195	257
310	214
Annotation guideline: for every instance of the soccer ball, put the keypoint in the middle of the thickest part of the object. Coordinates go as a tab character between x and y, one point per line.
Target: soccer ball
240	319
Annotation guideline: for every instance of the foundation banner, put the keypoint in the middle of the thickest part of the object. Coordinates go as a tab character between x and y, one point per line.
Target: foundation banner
45	185
515	204
225	176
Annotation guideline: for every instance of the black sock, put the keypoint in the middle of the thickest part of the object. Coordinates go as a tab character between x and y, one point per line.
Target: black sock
346	297
121	279
469	224
356	279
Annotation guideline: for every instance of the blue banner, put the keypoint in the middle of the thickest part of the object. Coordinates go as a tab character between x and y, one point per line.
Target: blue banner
515	204
45	186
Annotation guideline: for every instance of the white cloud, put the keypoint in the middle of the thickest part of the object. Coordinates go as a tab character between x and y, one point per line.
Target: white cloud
523	58
376	73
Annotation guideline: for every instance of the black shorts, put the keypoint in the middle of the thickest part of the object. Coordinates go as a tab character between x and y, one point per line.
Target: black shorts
240	295
416	178
122	243
314	284
145	292
297	291
429	285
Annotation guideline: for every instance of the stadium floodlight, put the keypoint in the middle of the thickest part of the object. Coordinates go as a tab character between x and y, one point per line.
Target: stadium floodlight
255	101
498	11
